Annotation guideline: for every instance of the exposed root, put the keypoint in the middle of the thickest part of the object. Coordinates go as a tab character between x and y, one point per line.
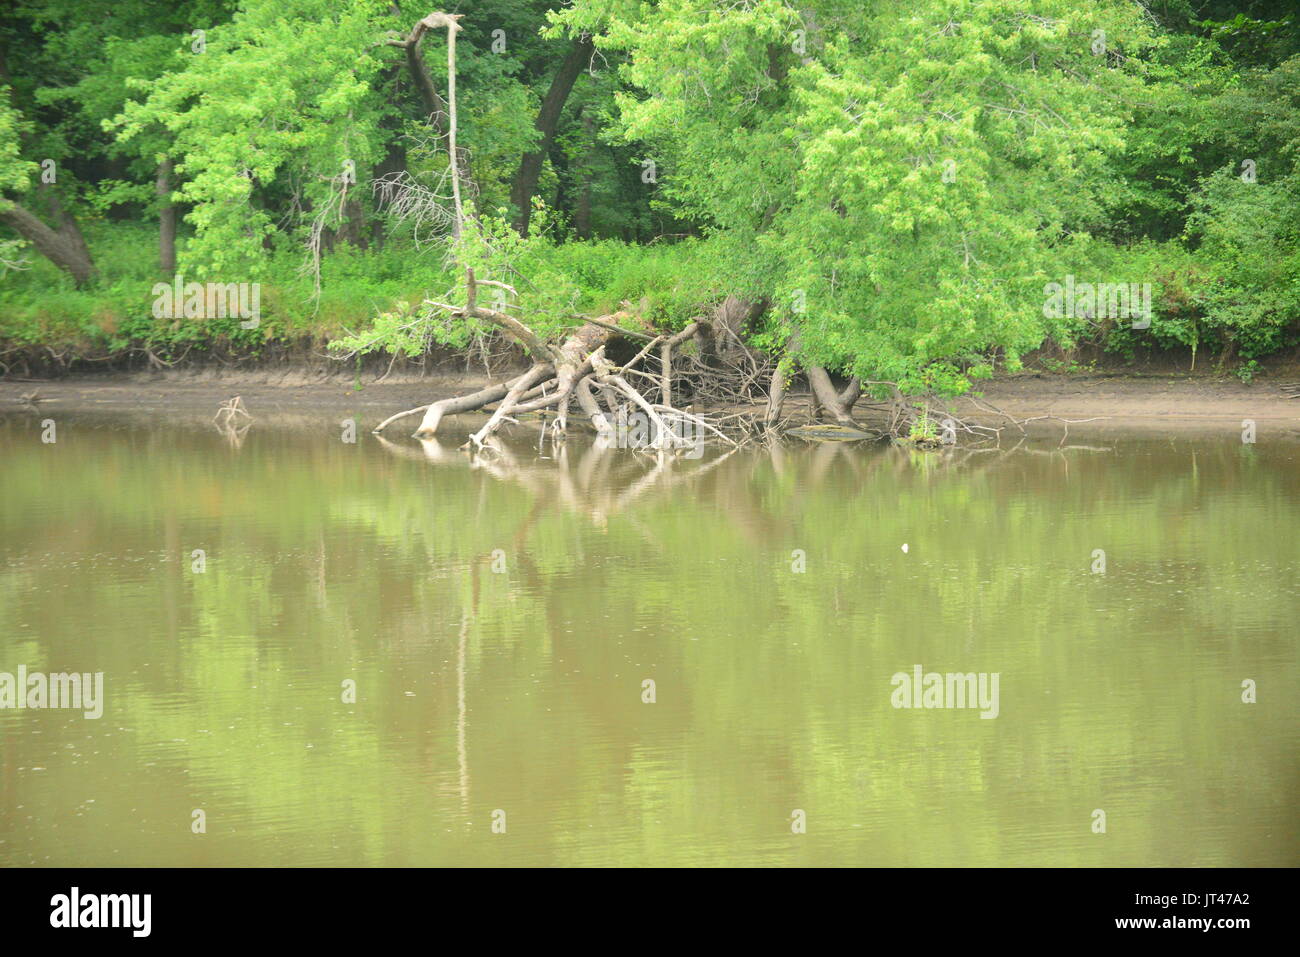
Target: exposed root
665	389
233	421
230	412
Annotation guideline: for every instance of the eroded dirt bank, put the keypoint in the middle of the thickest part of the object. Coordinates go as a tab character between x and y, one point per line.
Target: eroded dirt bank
1112	402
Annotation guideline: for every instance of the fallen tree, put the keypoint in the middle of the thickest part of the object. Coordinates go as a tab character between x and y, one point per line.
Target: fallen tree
577	369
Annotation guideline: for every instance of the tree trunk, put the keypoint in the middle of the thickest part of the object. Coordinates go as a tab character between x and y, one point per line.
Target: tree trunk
352	230
776	393
394	162
452	29
166	219
437	110
60	248
666	361
851	393
465	403
591	408
548	119
582	215
824	392
67	228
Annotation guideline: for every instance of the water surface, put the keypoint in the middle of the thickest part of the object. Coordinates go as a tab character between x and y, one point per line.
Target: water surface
499	623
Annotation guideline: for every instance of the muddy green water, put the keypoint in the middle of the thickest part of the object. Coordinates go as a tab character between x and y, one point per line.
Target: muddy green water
499	623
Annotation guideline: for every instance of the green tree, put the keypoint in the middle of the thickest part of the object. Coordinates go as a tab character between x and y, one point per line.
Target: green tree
896	180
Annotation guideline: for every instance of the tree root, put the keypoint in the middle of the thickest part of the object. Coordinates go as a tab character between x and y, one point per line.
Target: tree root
720	371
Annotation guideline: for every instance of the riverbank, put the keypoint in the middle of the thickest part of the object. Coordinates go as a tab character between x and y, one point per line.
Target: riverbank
1107	402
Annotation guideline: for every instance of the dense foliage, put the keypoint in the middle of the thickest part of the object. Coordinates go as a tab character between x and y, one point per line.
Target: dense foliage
897	183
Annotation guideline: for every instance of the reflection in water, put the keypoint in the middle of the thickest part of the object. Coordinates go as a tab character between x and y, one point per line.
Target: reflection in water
499	615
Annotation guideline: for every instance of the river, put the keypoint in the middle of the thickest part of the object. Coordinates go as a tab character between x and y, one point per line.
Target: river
318	652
